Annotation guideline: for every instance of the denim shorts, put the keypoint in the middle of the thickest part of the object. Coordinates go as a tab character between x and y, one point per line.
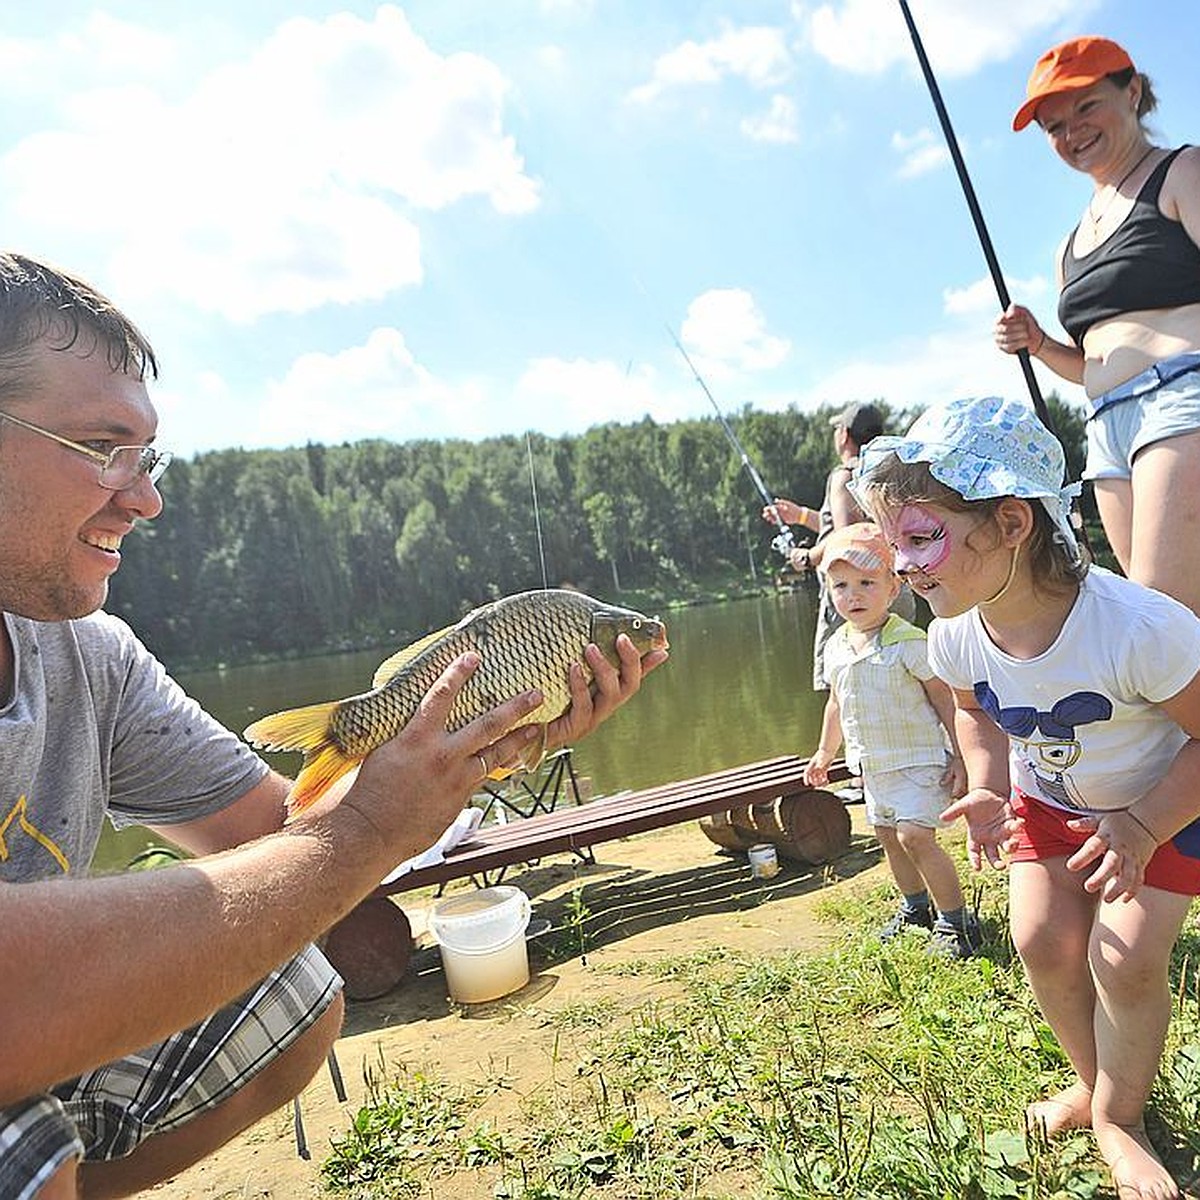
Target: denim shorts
915	795
1142	411
107	1113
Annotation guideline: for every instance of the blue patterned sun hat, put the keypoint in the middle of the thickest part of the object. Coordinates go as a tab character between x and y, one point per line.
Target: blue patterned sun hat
984	448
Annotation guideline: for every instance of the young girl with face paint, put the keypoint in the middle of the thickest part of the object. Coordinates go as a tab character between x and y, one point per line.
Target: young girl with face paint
1077	701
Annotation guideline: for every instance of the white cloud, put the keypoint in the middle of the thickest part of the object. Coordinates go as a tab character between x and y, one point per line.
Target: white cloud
585	392
942	366
758	55
100	48
377	389
921	151
959	36
280	182
726	332
980	299
779	124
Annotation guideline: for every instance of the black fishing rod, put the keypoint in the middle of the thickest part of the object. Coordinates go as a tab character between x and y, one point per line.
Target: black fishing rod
1035	393
783	541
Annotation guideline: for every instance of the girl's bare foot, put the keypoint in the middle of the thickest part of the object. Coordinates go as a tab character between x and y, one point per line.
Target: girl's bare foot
1069	1109
1137	1171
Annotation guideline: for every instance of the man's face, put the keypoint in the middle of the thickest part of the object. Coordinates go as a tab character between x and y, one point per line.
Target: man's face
60	531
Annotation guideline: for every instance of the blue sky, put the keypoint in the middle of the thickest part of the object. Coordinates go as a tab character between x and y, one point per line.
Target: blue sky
476	217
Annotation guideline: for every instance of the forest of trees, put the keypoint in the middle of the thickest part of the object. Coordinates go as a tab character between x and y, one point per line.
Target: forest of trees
269	553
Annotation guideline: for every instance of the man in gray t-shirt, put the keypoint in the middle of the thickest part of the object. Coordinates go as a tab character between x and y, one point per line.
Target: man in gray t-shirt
150	1017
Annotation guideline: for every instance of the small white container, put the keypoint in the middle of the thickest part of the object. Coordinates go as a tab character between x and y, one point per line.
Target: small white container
482	940
764	862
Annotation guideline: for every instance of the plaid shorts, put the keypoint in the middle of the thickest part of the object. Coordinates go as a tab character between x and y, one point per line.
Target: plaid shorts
107	1112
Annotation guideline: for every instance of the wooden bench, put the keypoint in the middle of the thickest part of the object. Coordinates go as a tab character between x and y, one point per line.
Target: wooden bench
371	947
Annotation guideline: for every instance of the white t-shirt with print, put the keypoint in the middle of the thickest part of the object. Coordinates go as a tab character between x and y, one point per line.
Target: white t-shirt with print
1082	719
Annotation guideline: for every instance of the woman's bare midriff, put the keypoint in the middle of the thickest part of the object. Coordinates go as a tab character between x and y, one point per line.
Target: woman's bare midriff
1122	347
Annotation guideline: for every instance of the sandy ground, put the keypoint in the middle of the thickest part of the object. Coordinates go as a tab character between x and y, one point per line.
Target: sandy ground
659	894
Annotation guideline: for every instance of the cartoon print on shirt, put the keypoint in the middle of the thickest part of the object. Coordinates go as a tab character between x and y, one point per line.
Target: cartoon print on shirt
18	813
1050	757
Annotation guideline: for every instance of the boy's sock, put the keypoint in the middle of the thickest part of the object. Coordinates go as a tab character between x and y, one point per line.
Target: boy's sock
957	933
913	910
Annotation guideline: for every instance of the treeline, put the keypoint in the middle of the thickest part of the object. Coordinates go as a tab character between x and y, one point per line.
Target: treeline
268	553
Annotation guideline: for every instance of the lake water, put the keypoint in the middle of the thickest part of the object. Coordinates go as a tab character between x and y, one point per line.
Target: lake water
737	688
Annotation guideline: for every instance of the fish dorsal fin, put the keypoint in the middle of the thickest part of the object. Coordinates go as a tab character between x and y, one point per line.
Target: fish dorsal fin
402	658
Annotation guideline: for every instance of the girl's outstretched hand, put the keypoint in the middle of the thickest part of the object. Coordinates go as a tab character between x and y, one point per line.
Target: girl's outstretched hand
1122	844
990	826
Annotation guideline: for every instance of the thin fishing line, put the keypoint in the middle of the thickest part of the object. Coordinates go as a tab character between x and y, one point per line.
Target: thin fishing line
784	540
537	512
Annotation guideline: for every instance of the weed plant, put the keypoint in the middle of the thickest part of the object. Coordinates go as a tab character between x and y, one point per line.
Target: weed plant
867	1071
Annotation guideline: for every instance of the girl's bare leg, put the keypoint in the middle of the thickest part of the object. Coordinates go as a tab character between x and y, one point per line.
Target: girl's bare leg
1051	918
1130	950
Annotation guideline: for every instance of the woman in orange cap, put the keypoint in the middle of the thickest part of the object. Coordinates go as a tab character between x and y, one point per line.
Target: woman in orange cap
1129	280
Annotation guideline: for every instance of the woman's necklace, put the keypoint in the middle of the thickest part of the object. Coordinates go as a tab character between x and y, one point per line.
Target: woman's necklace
1095	217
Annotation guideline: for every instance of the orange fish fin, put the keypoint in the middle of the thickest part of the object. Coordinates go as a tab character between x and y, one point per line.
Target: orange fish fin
305	729
293	729
531	758
402	658
321	770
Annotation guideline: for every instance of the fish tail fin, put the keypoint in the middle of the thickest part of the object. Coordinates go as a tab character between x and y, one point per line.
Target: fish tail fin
309	730
321	770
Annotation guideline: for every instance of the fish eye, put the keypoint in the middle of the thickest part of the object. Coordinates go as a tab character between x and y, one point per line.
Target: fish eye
637	623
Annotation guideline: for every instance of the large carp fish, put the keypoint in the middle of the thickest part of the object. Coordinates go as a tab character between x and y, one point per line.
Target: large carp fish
524	641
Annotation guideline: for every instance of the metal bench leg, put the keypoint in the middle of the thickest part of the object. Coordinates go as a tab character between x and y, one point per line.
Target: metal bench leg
339	1090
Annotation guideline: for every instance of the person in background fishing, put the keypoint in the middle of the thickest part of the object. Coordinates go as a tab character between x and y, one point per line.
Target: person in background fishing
896	719
853	428
1078	716
1129	299
100	1094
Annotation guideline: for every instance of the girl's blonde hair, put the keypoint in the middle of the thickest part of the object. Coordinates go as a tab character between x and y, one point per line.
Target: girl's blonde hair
894	483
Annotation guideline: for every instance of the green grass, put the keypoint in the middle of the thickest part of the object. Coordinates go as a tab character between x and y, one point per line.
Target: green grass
881	1073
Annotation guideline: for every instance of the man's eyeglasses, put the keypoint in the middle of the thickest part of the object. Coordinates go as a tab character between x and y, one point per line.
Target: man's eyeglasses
120	468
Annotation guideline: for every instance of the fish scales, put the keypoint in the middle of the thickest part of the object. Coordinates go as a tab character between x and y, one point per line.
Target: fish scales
524	641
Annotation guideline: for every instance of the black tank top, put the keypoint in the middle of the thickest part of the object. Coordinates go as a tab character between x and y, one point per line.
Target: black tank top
1148	262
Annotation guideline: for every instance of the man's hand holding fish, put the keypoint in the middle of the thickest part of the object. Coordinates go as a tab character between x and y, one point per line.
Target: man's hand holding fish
611	687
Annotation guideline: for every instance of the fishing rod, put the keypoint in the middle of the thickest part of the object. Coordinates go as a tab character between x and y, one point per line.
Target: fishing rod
537	512
783	541
1035	393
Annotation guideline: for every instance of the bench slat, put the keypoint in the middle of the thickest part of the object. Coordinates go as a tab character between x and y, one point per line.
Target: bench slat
608	818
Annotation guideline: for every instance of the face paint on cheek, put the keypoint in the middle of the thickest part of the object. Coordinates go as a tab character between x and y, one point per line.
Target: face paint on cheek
922	541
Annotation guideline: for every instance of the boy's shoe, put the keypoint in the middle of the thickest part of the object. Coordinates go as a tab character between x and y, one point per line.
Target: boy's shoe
906	918
955	941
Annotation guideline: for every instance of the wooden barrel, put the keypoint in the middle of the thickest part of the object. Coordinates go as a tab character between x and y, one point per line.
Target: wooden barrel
812	826
370	948
817	825
719	828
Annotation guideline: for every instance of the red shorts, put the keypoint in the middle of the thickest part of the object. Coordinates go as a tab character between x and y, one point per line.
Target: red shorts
1173	867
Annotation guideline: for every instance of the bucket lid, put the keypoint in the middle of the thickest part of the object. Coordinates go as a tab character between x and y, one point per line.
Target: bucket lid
482	919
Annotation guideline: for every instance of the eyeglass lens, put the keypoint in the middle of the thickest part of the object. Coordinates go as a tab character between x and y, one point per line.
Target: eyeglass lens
127	463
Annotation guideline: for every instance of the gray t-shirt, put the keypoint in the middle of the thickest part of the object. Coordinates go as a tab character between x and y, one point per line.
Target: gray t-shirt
96	726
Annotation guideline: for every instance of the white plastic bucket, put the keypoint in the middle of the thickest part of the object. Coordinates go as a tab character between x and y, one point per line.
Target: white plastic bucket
482	940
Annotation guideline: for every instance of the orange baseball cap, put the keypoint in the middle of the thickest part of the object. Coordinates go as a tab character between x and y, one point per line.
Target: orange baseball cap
1078	63
862	545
